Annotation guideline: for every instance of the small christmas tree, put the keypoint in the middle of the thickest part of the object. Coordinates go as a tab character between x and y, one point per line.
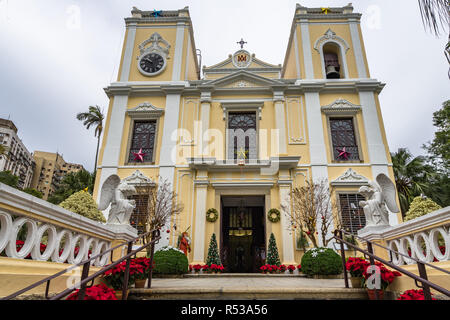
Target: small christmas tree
82	203
272	253
213	252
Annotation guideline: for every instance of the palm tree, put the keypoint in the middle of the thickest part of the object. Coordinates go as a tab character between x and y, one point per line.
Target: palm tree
411	176
436	16
94	117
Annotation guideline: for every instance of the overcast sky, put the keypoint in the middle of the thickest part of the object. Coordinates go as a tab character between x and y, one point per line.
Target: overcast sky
57	56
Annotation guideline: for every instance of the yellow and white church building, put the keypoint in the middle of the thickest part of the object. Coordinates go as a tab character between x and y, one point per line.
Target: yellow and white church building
239	135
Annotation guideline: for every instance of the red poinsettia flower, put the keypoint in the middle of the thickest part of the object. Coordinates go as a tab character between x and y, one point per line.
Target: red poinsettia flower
97	292
413	294
291	267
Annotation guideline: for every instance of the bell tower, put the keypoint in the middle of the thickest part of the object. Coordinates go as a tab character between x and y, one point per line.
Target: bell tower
326	43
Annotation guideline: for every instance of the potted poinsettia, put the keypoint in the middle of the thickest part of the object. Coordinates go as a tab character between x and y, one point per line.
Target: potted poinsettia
386	278
140	274
356	266
282	268
197	268
291	268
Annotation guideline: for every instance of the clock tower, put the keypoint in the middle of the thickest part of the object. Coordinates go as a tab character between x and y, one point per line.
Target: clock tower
158	59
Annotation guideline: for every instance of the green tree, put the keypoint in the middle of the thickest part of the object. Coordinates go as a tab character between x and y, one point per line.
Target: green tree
421	206
213	252
272	252
439	149
71	183
411	176
8	178
82	203
33	192
94	117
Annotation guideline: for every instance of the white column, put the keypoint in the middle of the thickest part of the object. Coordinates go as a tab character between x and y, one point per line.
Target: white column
317	147
297	59
167	156
111	153
178	54
288	246
205	110
357	49
306	46
128	54
200	218
316	138
280	121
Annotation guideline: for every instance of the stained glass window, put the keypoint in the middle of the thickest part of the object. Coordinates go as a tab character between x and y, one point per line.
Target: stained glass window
143	138
343	139
352	215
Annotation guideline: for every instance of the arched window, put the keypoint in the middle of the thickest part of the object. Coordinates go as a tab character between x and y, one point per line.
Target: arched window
332	50
332	61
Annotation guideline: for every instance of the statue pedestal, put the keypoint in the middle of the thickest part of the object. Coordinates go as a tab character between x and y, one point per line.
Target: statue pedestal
375	234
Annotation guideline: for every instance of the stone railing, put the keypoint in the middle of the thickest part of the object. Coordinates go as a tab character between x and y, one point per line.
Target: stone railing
69	237
426	238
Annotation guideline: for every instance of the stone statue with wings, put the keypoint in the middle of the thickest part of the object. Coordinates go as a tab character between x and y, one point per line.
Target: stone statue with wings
116	193
379	195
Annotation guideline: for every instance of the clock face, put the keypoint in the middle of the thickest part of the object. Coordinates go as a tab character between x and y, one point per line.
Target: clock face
151	63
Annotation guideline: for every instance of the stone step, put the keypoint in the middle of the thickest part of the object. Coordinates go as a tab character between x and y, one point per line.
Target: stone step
243	275
248	293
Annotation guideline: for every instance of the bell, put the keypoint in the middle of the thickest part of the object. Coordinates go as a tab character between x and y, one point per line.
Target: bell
332	72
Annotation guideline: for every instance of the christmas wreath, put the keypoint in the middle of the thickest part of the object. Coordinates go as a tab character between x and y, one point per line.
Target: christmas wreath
212	215
273	215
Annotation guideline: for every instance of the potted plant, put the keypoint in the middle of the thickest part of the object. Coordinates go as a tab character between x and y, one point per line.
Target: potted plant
282	268
115	277
140	275
205	268
299	268
263	269
197	268
386	278
291	268
356	267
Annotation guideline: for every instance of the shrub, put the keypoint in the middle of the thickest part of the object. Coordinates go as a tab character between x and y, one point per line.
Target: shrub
83	204
321	261
169	260
421	206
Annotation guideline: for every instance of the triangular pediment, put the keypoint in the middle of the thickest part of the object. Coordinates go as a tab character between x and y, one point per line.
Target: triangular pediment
242	60
243	79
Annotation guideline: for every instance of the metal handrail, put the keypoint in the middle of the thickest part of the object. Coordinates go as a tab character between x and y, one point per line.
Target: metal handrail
85	278
422	278
397	252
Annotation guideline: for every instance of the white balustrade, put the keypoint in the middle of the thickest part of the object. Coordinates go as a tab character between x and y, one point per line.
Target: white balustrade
421	239
61	242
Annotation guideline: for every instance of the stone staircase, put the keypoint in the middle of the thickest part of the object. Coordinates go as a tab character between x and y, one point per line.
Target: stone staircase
247	287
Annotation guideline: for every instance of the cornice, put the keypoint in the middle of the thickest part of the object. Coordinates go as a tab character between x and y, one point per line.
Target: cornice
268	88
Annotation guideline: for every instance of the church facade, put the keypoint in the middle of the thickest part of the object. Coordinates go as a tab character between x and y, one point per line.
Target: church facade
239	135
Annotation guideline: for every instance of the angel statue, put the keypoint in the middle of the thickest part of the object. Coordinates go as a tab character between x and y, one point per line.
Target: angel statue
116	192
379	195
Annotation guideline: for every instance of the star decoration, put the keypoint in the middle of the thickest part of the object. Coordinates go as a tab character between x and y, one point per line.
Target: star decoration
343	153
325	10
139	155
241	154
